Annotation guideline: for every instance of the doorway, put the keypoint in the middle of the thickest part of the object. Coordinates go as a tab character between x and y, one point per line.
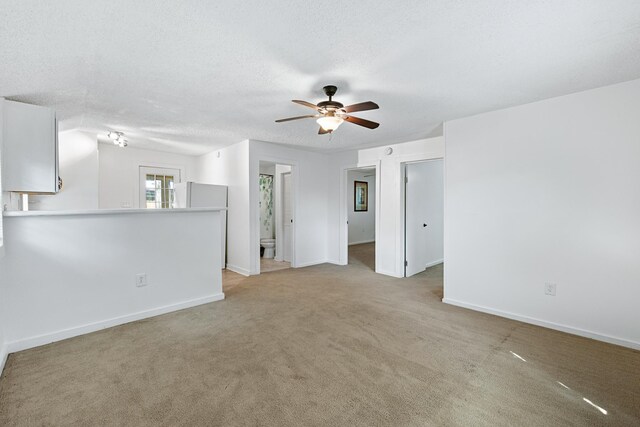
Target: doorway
424	215
157	187
361	217
287	219
276	216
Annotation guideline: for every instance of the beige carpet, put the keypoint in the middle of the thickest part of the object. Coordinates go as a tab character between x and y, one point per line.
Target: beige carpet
324	345
363	255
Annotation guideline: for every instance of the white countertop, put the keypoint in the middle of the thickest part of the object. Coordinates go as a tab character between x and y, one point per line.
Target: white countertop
107	212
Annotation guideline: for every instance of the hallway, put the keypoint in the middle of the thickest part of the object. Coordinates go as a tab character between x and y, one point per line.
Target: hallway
363	254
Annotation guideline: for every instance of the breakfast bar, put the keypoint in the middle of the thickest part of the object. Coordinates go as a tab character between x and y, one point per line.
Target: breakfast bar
72	272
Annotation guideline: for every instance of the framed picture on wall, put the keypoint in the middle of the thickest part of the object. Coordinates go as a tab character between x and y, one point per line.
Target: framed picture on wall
360	196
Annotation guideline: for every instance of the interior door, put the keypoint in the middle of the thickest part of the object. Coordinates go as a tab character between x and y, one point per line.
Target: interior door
287	217
424	215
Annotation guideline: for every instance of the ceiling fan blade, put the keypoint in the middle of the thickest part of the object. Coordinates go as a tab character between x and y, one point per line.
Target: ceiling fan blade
363	106
362	122
296	118
305	104
321	131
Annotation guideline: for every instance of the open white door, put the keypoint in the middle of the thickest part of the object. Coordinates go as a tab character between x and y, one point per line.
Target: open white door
424	215
287	217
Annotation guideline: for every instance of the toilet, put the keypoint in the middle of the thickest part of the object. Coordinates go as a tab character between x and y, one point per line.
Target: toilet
269	246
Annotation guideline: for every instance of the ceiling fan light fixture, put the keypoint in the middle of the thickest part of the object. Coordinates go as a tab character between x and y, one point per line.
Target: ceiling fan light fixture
330	114
330	123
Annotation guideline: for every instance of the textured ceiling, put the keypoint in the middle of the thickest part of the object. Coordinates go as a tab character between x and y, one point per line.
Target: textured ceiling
192	76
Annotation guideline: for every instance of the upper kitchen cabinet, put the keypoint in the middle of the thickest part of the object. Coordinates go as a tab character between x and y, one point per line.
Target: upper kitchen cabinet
30	148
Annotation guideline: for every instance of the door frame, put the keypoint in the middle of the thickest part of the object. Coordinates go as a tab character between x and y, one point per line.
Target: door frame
143	170
254	200
345	195
403	203
281	225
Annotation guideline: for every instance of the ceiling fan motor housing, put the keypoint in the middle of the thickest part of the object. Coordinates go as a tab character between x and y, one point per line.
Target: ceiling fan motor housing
330	90
330	105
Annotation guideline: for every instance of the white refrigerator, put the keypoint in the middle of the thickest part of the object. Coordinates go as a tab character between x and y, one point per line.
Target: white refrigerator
194	195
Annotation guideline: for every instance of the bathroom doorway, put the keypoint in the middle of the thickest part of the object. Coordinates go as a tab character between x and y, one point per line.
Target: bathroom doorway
276	216
361	217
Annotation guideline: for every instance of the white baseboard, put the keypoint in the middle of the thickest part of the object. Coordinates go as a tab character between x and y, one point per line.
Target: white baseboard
436	262
238	270
308	264
362	242
546	324
36	341
3	356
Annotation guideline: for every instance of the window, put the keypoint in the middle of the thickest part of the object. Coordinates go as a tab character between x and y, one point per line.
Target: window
157	187
159	191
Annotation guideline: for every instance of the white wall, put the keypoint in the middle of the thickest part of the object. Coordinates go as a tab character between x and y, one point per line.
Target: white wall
3	347
267	168
230	166
548	192
119	177
61	283
78	157
309	177
337	205
3	351
362	225
4	203
10	201
102	175
238	167
3	195
3	308
390	237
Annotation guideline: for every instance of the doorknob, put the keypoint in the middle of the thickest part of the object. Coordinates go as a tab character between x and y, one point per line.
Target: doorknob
424	225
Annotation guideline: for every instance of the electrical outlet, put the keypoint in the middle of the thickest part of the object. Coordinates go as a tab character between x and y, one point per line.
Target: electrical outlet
141	279
550	289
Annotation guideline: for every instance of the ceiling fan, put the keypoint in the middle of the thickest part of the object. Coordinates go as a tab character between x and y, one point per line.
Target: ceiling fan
331	113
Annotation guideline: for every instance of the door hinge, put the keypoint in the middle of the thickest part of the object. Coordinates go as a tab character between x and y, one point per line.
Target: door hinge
406	179
406	263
